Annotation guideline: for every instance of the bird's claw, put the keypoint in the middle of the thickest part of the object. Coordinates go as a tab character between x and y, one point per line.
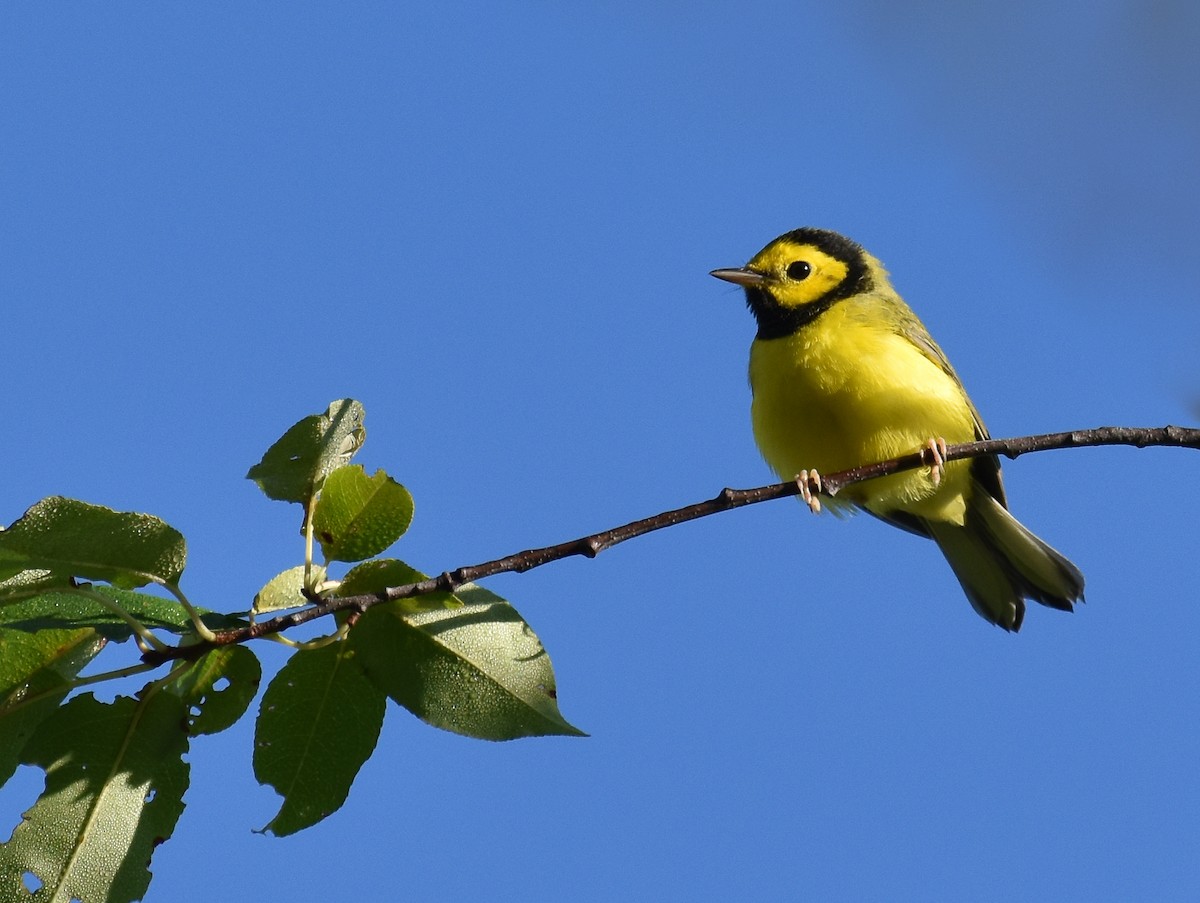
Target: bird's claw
809	482
935	453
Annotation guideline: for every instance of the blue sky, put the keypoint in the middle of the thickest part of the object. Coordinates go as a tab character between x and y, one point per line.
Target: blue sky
493	226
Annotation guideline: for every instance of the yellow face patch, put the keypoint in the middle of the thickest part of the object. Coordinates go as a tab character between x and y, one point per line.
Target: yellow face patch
798	274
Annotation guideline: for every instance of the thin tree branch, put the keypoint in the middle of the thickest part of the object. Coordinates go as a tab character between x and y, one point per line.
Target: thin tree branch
592	545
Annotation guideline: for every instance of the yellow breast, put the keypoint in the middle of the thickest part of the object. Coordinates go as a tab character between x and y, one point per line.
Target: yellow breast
848	390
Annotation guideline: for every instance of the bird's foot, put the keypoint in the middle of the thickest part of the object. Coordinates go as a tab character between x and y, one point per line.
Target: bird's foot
934	453
809	482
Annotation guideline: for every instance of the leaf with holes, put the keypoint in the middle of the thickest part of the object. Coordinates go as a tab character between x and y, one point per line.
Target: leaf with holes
218	687
108	801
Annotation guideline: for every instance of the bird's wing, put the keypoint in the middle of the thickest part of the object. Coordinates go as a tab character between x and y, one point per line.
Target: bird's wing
986	469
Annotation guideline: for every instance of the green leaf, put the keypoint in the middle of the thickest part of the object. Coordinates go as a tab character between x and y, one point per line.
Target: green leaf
75	609
477	670
372	577
294	467
359	516
35	675
286	590
115	779
318	722
31	583
70	538
218	688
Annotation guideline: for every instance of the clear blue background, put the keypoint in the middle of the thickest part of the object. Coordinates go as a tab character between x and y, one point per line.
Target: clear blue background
493	226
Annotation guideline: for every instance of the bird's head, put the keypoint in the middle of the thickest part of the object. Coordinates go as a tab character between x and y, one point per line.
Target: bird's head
799	276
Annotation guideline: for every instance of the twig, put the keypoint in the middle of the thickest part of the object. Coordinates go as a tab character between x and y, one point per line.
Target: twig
592	545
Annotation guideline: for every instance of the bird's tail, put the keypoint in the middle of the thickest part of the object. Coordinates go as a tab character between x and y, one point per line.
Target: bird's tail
1000	563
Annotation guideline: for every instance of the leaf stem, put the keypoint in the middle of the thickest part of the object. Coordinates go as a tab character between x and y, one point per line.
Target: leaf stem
110	675
202	629
309	512
146	640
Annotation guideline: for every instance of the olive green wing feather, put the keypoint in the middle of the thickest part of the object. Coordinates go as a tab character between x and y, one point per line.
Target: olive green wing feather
986	469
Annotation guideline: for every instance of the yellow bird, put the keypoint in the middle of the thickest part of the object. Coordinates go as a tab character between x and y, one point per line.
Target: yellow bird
843	373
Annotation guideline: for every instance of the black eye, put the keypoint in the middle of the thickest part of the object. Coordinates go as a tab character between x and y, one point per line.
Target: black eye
798	270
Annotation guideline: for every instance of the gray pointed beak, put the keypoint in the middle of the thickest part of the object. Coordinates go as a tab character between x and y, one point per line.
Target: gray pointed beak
740	276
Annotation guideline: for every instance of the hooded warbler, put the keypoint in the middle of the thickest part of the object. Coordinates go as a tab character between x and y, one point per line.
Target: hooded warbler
842	374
